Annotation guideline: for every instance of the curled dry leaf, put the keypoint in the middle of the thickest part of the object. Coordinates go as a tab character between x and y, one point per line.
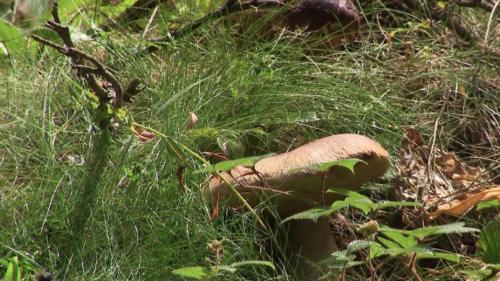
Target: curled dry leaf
192	120
142	135
462	205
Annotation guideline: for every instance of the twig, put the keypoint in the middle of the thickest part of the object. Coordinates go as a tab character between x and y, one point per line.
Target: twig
78	58
413	267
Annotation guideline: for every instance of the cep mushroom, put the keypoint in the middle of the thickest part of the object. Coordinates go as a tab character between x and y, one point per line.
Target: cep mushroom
296	187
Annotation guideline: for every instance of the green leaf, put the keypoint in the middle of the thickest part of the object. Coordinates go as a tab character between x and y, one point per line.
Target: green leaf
228	165
453	257
194	272
337	205
339	259
489	243
364	204
405	242
357	245
478	274
346	192
488	204
388	204
312	214
346	163
11	38
388	243
376	250
423	232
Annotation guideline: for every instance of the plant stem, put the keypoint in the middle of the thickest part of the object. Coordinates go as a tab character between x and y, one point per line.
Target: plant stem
80	215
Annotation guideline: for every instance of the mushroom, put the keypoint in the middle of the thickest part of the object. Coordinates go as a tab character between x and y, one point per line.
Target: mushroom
289	180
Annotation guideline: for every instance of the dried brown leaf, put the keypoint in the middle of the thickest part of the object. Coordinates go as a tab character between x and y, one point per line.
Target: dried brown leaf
413	139
461	206
142	135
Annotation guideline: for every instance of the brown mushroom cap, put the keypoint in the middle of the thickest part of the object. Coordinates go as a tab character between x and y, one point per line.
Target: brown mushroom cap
291	180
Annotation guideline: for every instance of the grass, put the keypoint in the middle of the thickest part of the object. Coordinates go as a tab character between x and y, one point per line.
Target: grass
254	96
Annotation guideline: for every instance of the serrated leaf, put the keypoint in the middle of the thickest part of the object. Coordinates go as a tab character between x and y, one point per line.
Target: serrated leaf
439	255
346	163
230	164
311	214
388	204
489	243
458	227
340	259
194	272
357	245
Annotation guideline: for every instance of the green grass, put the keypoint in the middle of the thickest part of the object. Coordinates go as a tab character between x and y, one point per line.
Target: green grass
256	96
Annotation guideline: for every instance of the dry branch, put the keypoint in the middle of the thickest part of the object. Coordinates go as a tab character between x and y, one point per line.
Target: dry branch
113	95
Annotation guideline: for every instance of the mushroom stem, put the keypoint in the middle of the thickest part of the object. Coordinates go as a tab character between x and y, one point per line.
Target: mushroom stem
311	242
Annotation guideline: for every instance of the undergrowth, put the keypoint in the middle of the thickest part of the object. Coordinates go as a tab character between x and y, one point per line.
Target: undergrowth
252	97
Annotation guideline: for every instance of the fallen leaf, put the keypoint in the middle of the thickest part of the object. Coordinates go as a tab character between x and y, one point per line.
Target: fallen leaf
413	139
450	164
215	211
461	206
142	135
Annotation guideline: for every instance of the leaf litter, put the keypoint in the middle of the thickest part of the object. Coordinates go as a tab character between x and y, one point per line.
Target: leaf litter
448	185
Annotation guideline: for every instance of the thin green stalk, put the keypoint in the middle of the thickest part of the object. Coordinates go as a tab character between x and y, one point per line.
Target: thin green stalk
85	203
